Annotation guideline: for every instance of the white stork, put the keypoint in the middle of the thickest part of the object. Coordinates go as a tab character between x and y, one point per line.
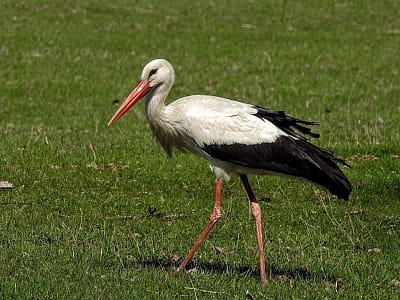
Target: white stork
236	139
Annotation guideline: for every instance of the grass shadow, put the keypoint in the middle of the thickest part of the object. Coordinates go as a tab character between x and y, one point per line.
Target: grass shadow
218	267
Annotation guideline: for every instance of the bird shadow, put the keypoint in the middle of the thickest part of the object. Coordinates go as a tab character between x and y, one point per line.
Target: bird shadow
243	271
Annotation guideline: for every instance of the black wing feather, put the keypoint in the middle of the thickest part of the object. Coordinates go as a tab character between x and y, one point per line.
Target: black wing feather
285	122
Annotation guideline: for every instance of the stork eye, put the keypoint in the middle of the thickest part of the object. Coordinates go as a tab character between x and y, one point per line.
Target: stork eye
152	72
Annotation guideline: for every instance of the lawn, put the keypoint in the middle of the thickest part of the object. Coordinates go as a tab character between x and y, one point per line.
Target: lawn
100	212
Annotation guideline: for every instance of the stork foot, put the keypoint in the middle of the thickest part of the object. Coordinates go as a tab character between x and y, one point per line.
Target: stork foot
176	272
264	281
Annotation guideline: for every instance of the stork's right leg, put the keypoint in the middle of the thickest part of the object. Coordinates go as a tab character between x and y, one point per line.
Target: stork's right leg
215	216
256	212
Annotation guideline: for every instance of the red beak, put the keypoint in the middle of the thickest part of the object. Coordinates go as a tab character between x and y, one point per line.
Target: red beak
138	92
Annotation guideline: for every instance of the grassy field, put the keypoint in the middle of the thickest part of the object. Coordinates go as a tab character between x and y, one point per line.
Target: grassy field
99	212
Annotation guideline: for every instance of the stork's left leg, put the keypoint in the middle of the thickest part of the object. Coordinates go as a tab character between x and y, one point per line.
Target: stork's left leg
215	216
256	212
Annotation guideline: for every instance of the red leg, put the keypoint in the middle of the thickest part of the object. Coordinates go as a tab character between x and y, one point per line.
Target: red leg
256	212
215	216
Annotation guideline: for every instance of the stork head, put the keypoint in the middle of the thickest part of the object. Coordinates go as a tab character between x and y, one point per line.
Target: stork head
157	74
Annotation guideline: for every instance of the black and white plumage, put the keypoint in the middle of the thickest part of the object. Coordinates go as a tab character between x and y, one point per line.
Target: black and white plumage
236	138
289	155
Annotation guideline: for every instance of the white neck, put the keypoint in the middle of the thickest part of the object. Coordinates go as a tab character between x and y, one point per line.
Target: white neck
158	117
155	103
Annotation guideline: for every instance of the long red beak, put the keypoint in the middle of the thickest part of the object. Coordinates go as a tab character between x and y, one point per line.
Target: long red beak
138	92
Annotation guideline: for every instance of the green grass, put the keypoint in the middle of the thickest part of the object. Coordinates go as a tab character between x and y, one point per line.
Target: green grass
77	223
